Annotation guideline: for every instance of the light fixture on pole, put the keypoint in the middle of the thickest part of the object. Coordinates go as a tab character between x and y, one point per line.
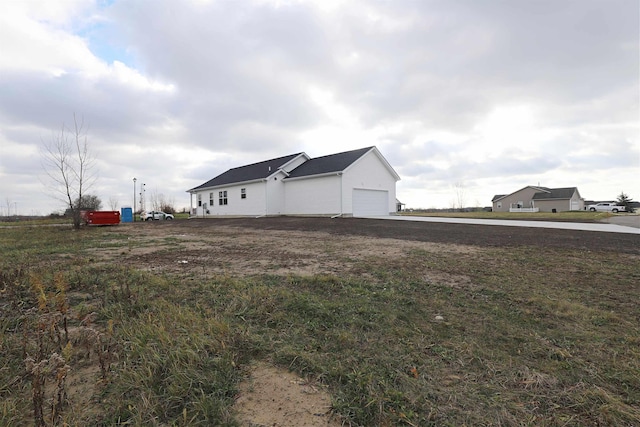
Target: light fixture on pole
134	200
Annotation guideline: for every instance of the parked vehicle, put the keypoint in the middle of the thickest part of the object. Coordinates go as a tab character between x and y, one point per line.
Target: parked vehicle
155	215
606	207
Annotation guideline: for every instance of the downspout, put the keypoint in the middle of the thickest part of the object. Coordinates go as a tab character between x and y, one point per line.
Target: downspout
341	207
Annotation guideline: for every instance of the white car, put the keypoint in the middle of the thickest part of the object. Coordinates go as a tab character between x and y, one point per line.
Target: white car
155	215
606	207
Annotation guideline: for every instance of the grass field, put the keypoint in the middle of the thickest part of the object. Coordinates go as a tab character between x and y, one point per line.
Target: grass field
433	335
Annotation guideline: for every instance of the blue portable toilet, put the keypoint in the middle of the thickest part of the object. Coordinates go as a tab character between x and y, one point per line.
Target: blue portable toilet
126	214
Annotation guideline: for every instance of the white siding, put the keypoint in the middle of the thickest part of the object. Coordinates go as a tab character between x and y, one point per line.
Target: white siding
275	195
313	196
368	173
253	204
321	195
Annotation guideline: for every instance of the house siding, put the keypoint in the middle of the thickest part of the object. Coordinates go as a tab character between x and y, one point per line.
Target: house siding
525	195
313	196
561	205
324	187
275	193
545	200
368	173
253	204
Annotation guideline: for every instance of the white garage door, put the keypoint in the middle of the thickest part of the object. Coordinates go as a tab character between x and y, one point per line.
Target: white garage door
370	202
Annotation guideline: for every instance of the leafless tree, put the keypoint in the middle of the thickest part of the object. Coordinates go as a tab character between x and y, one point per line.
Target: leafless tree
8	202
69	165
460	194
160	203
113	203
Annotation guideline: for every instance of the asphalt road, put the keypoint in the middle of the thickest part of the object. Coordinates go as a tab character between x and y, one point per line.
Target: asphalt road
626	220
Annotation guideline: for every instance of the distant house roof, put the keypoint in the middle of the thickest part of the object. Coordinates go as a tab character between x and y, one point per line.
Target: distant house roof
555	193
327	164
543	193
254	171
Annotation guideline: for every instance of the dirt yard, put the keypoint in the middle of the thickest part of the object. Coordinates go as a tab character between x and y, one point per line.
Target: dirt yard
289	246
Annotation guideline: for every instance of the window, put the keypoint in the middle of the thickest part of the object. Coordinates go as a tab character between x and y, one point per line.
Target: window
222	197
210	199
199	199
499	204
243	193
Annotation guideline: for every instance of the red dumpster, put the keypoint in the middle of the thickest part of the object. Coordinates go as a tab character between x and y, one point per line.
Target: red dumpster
103	217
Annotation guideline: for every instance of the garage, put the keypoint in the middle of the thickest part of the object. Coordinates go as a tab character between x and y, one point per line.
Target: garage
370	202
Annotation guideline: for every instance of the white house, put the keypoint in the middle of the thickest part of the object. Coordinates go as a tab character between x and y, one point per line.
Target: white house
354	183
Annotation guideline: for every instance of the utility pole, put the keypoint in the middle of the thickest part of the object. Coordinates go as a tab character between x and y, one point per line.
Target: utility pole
134	199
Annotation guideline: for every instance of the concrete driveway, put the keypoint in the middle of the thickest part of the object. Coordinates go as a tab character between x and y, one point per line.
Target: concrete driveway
607	228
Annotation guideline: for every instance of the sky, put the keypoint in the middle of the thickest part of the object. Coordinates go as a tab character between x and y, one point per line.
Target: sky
464	98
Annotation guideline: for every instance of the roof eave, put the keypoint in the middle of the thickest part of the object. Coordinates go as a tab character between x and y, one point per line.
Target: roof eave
303	154
231	184
382	159
317	175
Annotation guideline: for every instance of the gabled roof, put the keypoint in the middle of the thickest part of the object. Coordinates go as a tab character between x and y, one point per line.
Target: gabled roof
543	193
333	163
502	196
556	193
328	164
252	172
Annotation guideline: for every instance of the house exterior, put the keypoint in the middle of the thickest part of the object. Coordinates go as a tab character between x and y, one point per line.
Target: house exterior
539	199
353	183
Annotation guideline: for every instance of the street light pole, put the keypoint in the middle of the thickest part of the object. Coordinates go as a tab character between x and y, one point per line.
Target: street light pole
134	200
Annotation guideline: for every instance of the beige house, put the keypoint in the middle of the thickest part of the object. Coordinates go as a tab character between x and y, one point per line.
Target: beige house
539	199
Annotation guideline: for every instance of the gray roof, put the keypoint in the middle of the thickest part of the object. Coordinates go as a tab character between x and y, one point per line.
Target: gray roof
555	193
543	193
250	172
318	166
327	164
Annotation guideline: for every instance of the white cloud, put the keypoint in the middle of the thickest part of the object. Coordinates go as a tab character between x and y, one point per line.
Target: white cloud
495	94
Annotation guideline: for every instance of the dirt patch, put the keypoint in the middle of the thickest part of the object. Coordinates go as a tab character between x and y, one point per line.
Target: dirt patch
275	397
190	249
309	246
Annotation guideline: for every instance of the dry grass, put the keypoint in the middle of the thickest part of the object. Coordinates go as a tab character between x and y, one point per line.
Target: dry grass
433	335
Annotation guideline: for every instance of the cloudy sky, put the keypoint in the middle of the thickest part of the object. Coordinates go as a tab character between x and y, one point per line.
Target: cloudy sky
491	95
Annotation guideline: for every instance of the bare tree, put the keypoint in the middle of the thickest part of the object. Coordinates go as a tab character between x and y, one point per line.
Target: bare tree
160	203
113	203
460	194
8	202
155	199
69	165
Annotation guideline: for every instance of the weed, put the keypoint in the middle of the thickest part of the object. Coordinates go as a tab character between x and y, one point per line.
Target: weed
498	336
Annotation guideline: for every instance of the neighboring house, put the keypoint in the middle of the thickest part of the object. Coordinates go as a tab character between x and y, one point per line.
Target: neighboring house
354	183
539	199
